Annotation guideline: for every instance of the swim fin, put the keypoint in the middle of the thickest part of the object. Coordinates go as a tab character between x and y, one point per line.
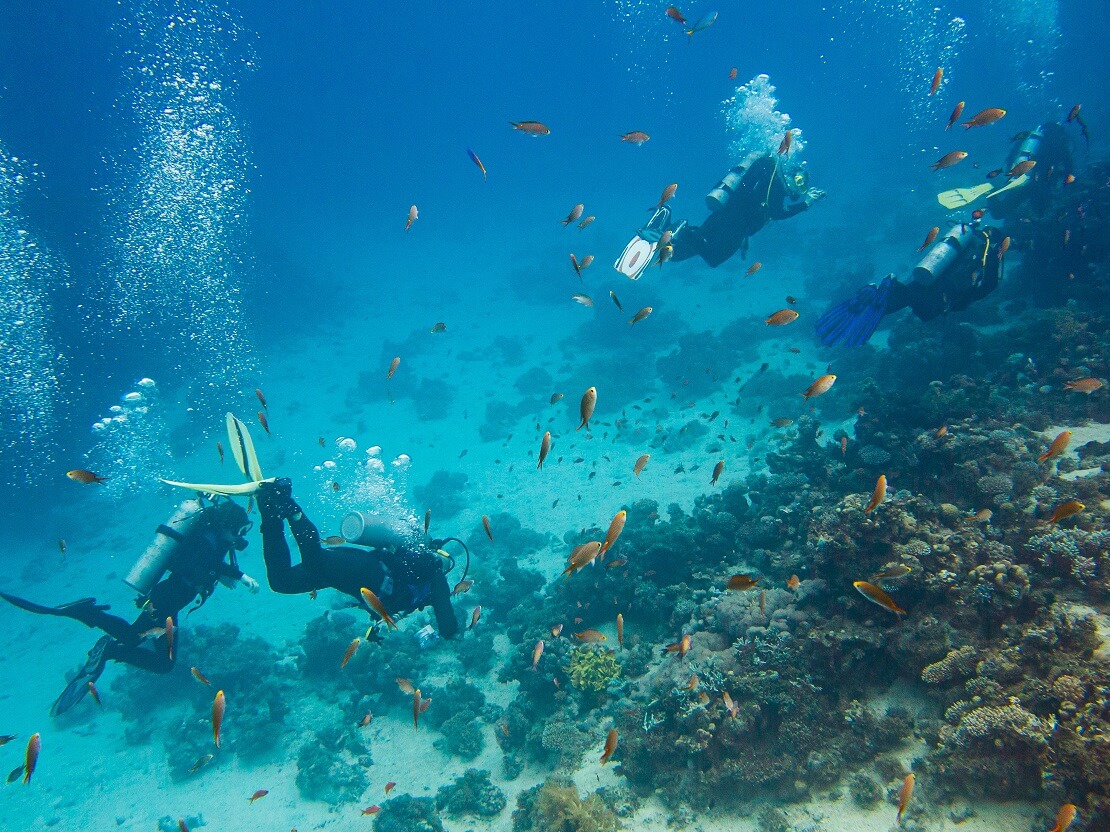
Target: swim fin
79	610
241	490
242	448
959	197
79	685
1018	182
854	321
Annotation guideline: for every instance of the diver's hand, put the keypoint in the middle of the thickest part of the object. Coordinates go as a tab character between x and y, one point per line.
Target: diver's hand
275	499
250	583
814	195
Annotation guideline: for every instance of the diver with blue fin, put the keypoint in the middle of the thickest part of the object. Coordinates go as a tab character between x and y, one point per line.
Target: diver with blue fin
764	187
197	547
960	268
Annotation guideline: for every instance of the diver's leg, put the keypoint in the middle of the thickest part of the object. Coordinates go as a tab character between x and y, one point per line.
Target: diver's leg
446	622
282	576
155	660
86	610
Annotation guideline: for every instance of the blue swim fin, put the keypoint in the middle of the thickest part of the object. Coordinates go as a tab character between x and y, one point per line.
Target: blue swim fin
854	321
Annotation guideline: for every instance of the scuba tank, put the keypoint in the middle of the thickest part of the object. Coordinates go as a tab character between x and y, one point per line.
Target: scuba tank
154	562
943	254
718	198
368	529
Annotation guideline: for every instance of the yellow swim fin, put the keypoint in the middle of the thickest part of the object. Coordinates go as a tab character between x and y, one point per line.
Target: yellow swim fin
959	197
1021	180
242	448
240	490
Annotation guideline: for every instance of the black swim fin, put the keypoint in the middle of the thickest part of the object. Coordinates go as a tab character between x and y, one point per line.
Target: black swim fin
77	688
84	610
854	321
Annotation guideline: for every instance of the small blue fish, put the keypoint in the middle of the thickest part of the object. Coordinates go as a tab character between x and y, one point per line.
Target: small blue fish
474	158
704	22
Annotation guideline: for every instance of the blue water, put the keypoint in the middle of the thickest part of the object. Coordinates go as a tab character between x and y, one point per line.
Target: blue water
213	195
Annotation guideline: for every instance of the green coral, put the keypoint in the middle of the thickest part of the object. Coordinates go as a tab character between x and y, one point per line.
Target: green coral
556	807
593	668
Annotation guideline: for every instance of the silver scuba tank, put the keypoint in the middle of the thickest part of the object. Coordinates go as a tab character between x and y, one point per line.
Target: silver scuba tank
943	254
154	562
718	198
368	529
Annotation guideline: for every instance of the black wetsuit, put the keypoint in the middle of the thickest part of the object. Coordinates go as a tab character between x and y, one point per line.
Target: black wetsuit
760	197
972	277
1054	159
403	581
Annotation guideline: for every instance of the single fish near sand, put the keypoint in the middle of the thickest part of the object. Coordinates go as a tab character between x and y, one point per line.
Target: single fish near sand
878	495
904	795
31	757
404	685
487	527
219	705
438	328
819	387
375	603
258	794
393	365
1066	510
201	763
610	746
641	463
876	596
753	268
1058	446
475	617
718	469
586	408
462	586
545	448
390	786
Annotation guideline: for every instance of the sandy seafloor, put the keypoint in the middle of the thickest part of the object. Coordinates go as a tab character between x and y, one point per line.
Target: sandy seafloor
89	778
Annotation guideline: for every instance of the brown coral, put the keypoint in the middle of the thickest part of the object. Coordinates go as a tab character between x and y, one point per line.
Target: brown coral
958	664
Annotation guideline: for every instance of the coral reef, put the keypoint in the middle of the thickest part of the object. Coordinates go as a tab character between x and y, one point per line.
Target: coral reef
556	806
332	767
593	668
472	793
405	813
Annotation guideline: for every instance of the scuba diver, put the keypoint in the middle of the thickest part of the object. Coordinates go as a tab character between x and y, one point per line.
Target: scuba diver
192	546
964	265
404	577
762	188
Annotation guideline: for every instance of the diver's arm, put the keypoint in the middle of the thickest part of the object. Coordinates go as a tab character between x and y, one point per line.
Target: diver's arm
446	622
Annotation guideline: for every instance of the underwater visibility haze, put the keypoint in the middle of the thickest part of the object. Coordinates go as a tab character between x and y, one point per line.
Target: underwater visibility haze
555	418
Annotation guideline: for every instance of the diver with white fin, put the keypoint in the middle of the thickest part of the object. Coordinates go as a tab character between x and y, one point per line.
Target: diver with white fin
764	187
404	576
197	547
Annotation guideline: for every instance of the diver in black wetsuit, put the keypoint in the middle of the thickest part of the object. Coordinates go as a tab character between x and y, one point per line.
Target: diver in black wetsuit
192	546
762	188
963	266
404	578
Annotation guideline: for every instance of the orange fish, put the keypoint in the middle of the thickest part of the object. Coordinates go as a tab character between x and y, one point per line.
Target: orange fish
753	268
876	596
170	636
475	617
556	630
1021	168
956	113
366	719
374	603
718	469
1083	385
1073	114
372	810
537	651
31	759
574	214
258	794
782	318
636	137
416	709
784	145
264	422
732	708
742	583
85	477
486	526
641	463
942	432
531	128
582	555
1066	814
220	451
590	637
199	676
675	15
793	582
413	215
390	786
620	631
820	386
586	408
545	448
732	73
351	649
1058	446
693	683
462	586
984	117
404	684
616	526
1066	510
610	746
219	704
668	192
334	540
639	316
949	159
938	76
932	235
393	365
878	495
682	647
261	398
1069	179
843	445
904	795
95	694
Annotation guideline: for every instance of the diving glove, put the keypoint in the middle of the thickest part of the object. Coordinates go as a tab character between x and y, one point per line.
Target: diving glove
275	499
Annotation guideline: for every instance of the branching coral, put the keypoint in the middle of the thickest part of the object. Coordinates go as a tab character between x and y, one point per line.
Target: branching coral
593	668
